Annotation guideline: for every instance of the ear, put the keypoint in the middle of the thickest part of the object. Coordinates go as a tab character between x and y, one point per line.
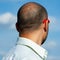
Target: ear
17	27
45	26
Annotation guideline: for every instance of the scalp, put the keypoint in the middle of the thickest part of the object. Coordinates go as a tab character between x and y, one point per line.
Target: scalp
29	10
30	16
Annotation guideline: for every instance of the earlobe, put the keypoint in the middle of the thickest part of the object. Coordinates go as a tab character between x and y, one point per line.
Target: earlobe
45	29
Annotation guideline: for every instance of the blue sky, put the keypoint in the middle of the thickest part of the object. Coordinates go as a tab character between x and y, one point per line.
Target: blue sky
9	35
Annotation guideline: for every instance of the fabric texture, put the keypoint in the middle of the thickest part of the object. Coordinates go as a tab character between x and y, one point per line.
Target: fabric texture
26	49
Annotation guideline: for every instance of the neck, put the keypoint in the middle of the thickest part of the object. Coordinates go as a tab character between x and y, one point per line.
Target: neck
34	36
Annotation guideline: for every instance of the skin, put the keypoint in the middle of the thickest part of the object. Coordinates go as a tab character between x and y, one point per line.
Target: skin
39	35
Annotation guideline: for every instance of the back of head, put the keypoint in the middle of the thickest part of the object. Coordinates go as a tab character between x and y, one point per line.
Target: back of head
30	16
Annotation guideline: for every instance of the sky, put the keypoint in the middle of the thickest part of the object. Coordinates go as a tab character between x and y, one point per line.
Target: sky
9	35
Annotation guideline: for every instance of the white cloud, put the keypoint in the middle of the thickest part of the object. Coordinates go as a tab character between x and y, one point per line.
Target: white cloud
8	18
51	44
54	24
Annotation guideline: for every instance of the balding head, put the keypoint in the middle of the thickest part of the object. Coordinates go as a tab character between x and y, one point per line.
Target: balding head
30	16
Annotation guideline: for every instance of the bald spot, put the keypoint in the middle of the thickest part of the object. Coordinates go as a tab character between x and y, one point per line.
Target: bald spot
30	10
30	16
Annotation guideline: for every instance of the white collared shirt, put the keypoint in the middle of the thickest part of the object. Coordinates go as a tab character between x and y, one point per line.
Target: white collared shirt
26	49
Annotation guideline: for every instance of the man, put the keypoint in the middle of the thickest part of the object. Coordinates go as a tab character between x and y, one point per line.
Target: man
32	25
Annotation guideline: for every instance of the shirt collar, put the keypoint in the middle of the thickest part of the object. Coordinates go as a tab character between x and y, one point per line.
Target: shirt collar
41	51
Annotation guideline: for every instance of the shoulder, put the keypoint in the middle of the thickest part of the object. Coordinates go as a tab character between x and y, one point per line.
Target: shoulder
22	51
19	52
25	53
